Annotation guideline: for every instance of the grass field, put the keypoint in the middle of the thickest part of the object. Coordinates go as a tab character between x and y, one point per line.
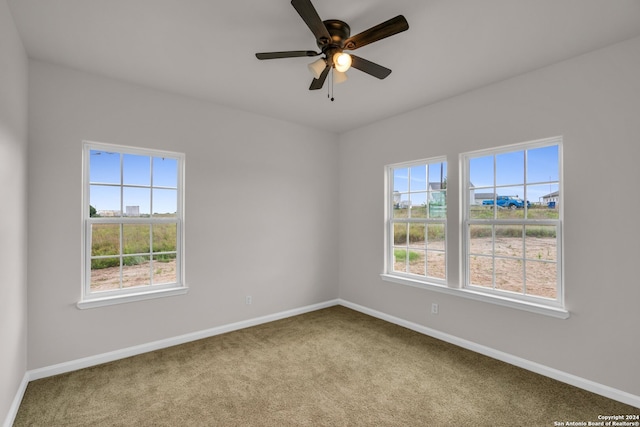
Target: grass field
139	241
129	255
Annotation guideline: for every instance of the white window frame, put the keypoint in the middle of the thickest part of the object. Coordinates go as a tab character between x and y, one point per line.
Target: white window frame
91	299
389	272
459	260
555	307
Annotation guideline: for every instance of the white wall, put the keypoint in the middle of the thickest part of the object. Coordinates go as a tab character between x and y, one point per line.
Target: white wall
594	102
261	212
13	210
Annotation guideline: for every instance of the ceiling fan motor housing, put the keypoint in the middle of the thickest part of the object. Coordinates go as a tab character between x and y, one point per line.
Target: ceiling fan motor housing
339	31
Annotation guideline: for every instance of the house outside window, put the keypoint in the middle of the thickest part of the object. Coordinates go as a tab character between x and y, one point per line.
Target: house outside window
133	222
416	220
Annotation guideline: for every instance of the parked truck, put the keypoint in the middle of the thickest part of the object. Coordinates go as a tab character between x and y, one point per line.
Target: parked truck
510	202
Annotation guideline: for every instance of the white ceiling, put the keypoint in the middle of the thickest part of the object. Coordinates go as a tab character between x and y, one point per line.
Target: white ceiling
205	48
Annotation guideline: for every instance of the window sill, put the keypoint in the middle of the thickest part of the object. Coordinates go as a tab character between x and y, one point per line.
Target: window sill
546	310
122	299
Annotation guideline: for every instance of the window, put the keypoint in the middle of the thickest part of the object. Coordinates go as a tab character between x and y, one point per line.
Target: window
510	226
416	220
133	224
512	223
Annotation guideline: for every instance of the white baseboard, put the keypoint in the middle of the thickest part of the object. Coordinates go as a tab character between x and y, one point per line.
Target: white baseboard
86	362
13	409
603	390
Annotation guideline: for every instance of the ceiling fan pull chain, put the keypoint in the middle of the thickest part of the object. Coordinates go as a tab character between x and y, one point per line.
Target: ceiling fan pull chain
331	79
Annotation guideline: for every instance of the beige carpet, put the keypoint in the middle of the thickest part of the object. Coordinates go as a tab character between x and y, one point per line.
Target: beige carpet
332	367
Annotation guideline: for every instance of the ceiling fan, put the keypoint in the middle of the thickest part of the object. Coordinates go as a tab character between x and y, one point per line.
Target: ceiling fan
333	37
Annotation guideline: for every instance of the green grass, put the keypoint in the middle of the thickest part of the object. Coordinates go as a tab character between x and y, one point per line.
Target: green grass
401	255
136	239
417	232
543	231
534	212
436	232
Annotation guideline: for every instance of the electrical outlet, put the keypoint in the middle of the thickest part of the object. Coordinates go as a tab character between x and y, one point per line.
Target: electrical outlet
434	308
248	300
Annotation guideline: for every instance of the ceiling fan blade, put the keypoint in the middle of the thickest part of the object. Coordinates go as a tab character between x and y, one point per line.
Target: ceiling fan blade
386	29
369	67
310	16
286	54
318	83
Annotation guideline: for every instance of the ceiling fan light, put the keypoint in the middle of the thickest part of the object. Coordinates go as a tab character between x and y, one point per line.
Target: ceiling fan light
339	77
342	61
317	67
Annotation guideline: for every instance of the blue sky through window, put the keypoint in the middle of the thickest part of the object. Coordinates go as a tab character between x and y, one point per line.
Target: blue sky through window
542	173
418	177
135	175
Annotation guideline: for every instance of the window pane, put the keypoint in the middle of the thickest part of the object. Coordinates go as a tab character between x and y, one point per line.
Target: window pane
136	238
401	180
418	205
400	260
105	239
416	235
510	169
516	194
400	233
104	167
542	278
481	239
417	261
401	210
164	269
481	172
438	204
165	172
105	200
481	271
543	164
541	242
478	209
436	236
136	271
136	170
105	274
419	195
438	176
509	240
165	202
510	275
510	203
418	178
436	264
544	201
137	201
165	237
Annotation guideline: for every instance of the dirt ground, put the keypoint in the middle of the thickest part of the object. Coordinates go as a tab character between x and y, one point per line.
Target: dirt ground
137	275
540	268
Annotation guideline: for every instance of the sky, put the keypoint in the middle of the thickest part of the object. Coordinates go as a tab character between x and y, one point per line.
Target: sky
136	177
542	175
415	179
